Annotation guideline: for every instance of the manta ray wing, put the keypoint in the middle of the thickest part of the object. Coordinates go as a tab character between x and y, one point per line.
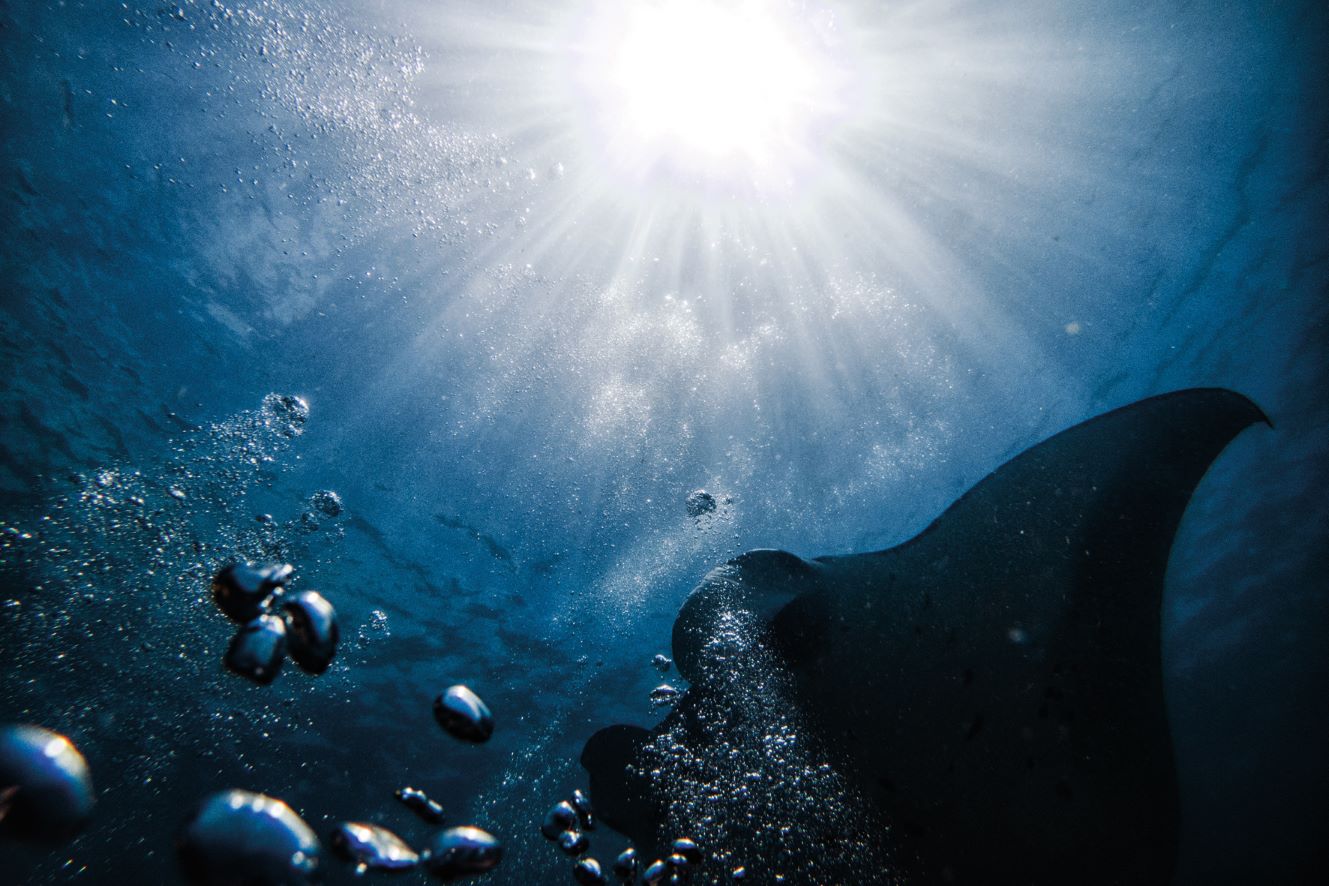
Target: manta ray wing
993	687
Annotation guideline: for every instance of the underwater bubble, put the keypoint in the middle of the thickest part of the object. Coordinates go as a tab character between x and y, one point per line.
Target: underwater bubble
655	873
377	625
45	786
664	695
242	837
372	847
241	589
419	802
461	712
573	842
625	866
677	863
327	502
662	663
739	873
689	849
311	631
588	873
699	503
582	804
285	414
559	819
458	852
257	649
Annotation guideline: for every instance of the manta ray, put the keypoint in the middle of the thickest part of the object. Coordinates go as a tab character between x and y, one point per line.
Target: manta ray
992	688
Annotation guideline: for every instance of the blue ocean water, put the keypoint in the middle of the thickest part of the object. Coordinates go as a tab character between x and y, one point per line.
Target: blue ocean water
518	364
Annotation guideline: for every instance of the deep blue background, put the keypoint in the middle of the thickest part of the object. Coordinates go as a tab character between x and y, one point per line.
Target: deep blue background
363	204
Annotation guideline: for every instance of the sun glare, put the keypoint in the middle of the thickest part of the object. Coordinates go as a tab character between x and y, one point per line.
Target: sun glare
698	83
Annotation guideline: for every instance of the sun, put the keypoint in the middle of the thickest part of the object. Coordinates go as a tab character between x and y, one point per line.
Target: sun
709	78
703	84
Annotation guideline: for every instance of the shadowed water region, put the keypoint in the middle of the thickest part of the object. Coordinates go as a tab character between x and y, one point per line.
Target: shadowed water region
504	340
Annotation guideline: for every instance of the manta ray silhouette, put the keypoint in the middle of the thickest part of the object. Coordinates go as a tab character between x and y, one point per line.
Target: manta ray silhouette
992	687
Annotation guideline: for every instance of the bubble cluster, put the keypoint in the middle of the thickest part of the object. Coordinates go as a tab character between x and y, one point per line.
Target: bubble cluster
285	414
743	777
107	586
450	853
707	510
327	93
699	503
664	695
323	508
565	825
273	623
377	626
327	502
